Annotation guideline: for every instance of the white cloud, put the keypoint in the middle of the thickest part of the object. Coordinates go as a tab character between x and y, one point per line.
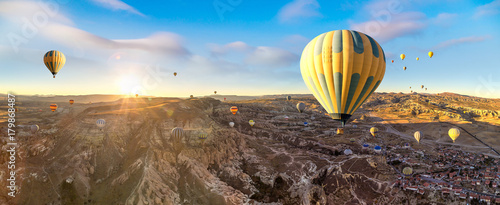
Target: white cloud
44	12
397	25
458	41
261	55
491	8
118	5
298	9
238	46
270	56
444	19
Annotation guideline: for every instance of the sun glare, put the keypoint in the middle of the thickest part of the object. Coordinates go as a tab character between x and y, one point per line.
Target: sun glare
129	85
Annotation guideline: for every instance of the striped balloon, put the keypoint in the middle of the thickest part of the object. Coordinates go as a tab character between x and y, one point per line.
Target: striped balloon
234	109
288	97
202	136
251	122
374	131
177	134
100	123
54	60
53	107
407	171
342	69
71	102
417	136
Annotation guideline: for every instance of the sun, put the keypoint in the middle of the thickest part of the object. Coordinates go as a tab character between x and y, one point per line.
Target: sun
129	85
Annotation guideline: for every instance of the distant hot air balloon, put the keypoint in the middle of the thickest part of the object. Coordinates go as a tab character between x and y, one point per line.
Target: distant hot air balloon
454	133
404	68
202	136
305	123
417	136
215	92
34	128
286	117
407	171
288	97
54	60
366	145
410	87
231	124
340	131
407	145
374	131
234	109
425	88
136	95
377	148
191	96
347	152
422	86
431	54
251	122
301	107
402	56
100	123
176	134
417	58
224	99
342	69
15	109
392	61
352	140
71	102
175	73
53	107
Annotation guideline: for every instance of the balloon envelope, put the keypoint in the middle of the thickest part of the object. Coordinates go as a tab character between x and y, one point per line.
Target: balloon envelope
342	69
417	135
402	56
34	128
347	152
71	102
53	107
234	109
251	122
366	145
407	171
301	107
374	131
101	123
177	133
454	133
377	148
231	124
288	97
431	54
54	60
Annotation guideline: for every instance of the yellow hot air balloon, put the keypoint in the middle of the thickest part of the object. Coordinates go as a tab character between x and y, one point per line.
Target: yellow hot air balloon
342	69
417	58
251	122
454	133
136	95
374	131
54	60
431	54
402	56
407	171
417	136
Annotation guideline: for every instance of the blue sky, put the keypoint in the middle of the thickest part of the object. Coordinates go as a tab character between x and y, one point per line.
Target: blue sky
239	47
